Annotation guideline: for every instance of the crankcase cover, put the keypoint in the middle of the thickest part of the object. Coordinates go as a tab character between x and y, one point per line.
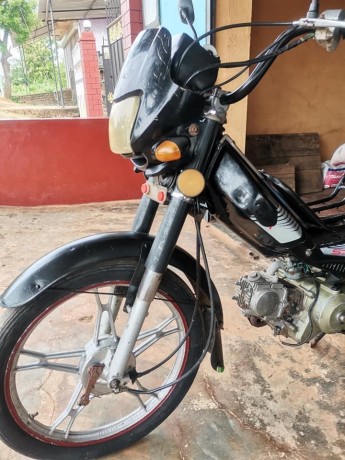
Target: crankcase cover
329	312
258	296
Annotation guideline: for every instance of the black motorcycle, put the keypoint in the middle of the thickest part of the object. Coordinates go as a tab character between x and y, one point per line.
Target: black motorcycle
151	310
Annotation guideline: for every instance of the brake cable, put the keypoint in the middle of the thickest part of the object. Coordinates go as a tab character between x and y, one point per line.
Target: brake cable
247	67
250	62
229	27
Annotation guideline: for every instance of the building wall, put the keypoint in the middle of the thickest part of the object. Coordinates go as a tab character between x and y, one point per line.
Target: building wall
66	161
304	90
132	22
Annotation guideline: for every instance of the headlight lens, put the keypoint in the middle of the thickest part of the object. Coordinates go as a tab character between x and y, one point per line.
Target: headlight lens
121	121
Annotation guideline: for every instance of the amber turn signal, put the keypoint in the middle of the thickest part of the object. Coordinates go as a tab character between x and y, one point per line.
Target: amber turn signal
191	182
167	151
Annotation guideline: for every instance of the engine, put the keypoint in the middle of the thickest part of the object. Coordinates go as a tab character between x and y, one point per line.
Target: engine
294	300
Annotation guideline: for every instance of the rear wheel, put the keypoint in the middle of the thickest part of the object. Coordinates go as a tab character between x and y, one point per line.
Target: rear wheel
54	361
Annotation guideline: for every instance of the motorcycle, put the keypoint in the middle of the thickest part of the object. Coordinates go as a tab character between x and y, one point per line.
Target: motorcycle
156	311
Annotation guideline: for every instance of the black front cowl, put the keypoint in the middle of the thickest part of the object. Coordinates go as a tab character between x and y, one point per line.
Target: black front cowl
164	105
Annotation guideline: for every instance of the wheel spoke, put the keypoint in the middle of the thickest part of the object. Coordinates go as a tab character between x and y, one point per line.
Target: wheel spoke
106	315
140	401
154	335
142	388
138	397
72	411
42	361
73	415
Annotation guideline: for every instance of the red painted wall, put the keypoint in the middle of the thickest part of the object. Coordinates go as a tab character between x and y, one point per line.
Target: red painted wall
62	161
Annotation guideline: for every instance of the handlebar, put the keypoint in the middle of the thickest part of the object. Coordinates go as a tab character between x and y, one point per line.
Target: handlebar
320	23
261	68
327	33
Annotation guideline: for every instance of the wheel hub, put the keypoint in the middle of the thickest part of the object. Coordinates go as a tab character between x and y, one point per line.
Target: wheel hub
95	364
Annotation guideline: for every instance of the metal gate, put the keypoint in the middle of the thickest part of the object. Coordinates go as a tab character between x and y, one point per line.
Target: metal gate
113	57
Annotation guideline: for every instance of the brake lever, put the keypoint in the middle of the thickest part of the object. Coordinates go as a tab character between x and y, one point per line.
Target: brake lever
329	28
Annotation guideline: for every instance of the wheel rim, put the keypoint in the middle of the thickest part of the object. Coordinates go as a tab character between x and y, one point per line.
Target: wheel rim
43	376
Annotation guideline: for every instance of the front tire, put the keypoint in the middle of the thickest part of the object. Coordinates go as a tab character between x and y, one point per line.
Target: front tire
49	347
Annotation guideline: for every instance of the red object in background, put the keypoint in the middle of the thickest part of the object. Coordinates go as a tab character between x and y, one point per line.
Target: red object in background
132	22
91	77
62	161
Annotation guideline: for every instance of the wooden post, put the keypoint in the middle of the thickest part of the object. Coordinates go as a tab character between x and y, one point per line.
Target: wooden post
234	45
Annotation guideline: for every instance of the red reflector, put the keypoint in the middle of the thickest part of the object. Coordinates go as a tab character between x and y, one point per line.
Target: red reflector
145	188
161	196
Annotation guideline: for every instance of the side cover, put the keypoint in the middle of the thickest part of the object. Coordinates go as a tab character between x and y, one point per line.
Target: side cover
249	206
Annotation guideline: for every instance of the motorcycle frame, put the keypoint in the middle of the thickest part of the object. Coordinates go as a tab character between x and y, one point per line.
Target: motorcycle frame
258	208
217	157
315	233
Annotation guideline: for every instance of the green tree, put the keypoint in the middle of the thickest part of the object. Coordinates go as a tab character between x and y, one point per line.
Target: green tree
38	59
17	19
39	69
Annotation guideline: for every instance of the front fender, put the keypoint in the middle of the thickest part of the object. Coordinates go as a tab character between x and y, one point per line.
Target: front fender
86	252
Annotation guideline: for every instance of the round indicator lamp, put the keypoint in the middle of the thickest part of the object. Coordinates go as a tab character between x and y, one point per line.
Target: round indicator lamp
191	183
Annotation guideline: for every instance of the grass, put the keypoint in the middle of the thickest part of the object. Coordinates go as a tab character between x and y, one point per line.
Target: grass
33	88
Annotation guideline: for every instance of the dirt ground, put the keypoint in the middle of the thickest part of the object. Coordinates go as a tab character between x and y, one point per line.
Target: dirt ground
12	110
271	402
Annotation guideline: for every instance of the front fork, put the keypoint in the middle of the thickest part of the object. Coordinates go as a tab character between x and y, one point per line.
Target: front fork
164	243
155	267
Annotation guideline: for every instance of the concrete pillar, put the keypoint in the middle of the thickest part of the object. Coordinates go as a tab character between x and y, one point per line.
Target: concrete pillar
91	77
132	21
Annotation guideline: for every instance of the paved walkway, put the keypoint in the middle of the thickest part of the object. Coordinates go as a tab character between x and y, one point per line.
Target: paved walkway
271	402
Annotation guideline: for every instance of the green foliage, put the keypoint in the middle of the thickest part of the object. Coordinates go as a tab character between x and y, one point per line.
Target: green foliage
20	86
38	58
18	17
20	89
38	74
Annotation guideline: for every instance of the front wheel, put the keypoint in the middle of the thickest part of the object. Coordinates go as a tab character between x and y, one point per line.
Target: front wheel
55	354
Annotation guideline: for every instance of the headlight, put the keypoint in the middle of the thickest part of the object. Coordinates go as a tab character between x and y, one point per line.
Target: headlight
121	121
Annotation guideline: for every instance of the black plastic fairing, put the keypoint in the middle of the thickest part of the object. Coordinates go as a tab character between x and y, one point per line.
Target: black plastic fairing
247	205
164	105
244	191
186	63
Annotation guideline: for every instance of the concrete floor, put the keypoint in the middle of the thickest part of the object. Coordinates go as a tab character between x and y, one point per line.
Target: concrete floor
271	402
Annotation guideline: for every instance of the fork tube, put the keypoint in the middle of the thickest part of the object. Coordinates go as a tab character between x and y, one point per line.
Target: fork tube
142	223
145	215
156	264
167	236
